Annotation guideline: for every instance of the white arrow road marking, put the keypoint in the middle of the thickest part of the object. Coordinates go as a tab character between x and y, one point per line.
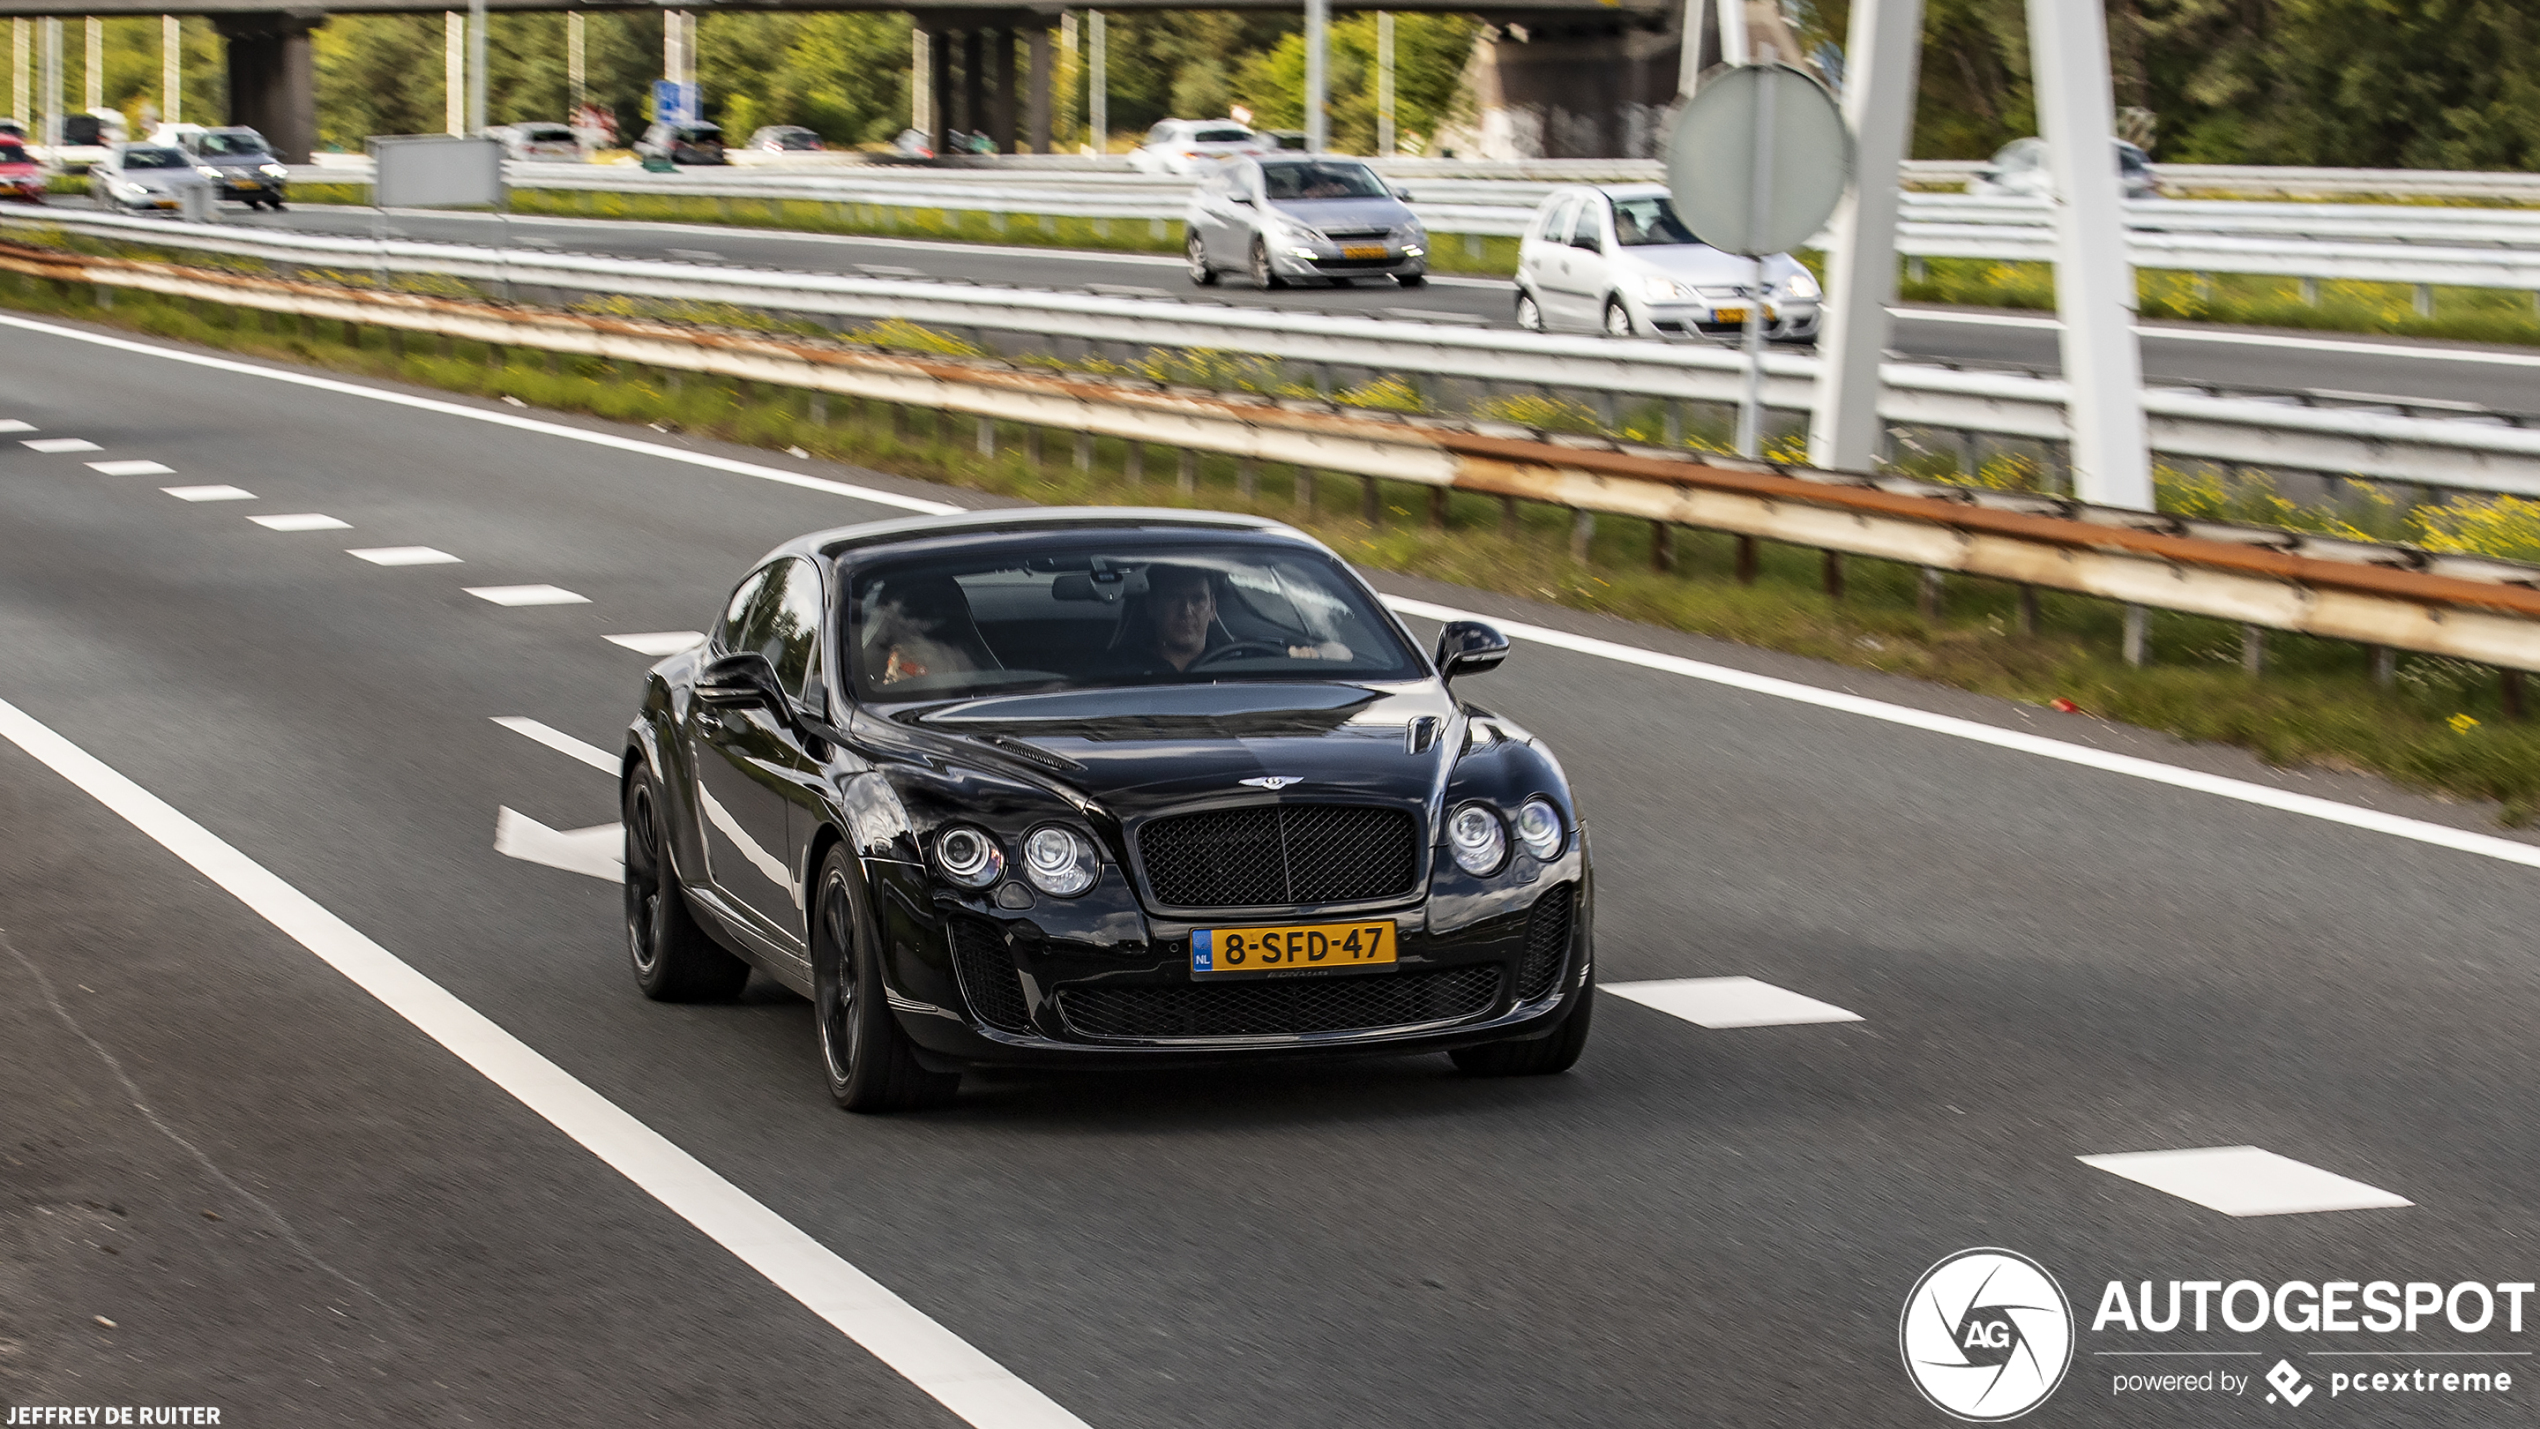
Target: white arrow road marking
559	741
597	851
658	642
931	1357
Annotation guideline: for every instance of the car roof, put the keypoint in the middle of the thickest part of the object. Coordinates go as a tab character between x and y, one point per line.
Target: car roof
848	541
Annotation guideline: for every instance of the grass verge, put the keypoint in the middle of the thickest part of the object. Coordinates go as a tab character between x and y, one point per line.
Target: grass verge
2441	726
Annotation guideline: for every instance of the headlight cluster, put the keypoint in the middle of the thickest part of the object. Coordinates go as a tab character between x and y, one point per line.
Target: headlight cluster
274	171
1802	284
1478	837
1659	290
1057	860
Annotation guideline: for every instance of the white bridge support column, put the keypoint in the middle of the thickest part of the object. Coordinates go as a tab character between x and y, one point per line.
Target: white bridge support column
1318	44
1880	60
2094	280
454	71
171	69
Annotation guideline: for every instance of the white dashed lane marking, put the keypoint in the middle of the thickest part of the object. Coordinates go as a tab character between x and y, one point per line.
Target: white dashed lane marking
559	741
403	556
61	444
658	643
132	468
209	493
12	424
301	521
1730	1002
596	852
2245	1181
527	595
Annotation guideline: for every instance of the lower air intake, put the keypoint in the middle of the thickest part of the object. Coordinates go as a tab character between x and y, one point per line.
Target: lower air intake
1286	1007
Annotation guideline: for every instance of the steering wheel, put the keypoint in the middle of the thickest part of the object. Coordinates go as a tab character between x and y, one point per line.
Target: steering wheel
1238	649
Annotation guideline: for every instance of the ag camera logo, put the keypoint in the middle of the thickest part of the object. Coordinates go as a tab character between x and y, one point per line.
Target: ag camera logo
1987	1335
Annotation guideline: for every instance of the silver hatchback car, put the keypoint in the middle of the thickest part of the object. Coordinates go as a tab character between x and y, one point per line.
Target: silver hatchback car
1279	219
146	177
1616	259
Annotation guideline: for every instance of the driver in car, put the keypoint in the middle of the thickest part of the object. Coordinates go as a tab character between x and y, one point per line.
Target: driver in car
1181	621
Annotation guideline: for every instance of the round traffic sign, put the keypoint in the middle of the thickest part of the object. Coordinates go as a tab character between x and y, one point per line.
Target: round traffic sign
1758	158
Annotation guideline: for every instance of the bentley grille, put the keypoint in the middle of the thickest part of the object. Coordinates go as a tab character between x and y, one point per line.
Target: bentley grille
1281	854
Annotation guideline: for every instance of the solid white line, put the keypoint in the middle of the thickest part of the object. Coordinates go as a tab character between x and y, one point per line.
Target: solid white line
929	1356
559	741
2165	333
501	419
2152	771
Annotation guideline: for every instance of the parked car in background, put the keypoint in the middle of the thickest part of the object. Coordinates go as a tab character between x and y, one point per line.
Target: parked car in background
785	139
145	178
244	165
86	138
13	128
1615	258
700	142
21	177
1284	217
1190	146
2018	170
538	141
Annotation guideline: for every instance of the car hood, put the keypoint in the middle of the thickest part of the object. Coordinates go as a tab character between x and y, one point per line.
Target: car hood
1344	212
1139	750
1701	263
161	178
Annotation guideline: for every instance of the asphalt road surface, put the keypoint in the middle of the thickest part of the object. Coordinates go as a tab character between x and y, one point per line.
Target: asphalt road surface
250	1164
2441	375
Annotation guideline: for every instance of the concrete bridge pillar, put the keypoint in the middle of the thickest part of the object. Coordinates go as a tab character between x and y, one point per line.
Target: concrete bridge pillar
273	78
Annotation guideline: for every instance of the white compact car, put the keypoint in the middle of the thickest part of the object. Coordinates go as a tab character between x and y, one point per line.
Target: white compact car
2018	170
1193	146
543	142
1615	258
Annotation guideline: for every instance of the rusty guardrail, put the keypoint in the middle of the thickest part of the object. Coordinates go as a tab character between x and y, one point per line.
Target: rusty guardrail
2264	577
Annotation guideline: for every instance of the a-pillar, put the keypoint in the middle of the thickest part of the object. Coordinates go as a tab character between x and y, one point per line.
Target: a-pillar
272	78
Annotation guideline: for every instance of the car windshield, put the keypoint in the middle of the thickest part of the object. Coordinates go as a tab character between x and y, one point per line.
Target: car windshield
1649	222
1087	615
798	139
1221	136
155	159
1313	181
700	133
12	154
547	134
233	146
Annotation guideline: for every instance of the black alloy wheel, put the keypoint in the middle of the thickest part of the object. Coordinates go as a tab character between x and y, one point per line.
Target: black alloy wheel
1201	274
674	959
870	1063
1541	1056
1262	276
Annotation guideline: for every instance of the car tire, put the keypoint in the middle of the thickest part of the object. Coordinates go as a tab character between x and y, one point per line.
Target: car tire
1411	280
870	1064
1197	252
1529	312
1535	1056
674	959
275	204
1618	319
1262	275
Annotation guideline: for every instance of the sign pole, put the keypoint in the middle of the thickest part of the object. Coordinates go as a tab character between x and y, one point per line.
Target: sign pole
1750	407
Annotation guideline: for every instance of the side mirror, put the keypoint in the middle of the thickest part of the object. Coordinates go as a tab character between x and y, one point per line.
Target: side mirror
1244	199
1468	647
1402	194
742	679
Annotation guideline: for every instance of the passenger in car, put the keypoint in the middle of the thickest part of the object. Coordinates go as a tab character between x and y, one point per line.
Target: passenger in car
920	626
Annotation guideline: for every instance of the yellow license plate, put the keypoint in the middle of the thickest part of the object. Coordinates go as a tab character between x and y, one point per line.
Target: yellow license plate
1363	250
246	184
1728	315
1313	947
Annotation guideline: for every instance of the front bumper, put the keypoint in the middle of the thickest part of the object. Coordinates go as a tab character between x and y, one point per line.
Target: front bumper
239	190
977	986
1783	322
1328	261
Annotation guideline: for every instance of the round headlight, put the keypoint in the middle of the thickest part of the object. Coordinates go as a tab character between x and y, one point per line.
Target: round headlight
1539	828
968	856
1059	861
1478	839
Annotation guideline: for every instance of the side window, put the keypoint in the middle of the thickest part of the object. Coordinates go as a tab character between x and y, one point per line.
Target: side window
794	626
731	633
1556	224
1160	133
1589	231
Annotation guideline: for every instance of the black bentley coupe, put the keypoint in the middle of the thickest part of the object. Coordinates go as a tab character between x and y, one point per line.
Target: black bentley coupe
1100	787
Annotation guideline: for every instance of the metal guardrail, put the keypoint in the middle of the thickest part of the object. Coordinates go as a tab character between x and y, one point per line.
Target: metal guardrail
2389	596
2473	453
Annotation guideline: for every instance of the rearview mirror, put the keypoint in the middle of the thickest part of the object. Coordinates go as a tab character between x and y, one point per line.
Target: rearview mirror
742	679
1468	647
